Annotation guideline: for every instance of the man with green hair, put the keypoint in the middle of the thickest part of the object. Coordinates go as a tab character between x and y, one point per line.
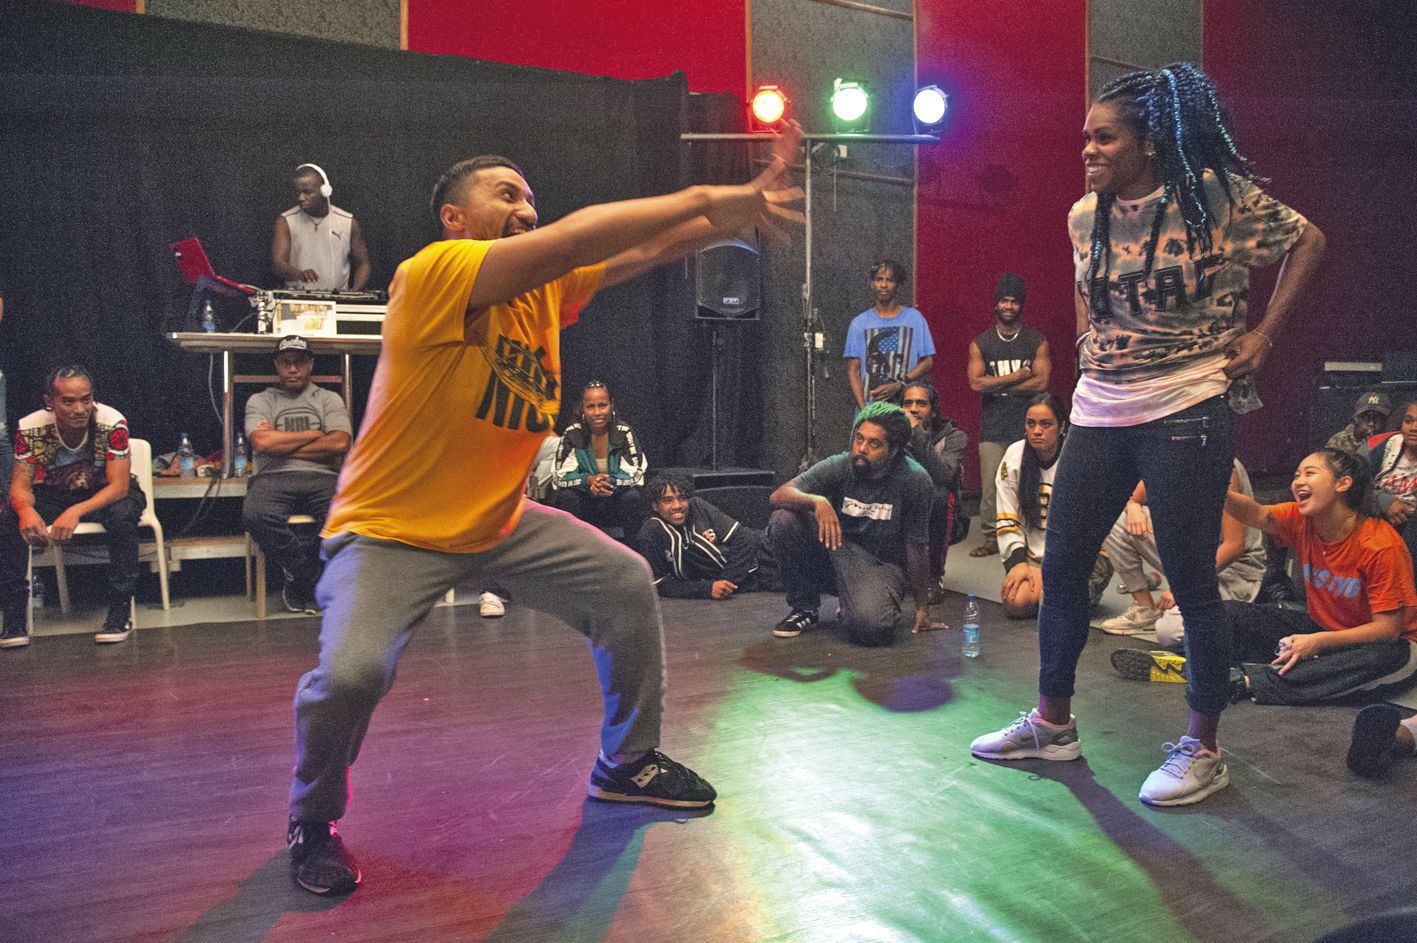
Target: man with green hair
857	525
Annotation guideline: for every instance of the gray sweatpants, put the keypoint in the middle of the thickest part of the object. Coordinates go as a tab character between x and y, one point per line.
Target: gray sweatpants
374	593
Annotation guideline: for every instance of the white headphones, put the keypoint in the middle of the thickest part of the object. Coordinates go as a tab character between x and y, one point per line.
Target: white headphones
325	188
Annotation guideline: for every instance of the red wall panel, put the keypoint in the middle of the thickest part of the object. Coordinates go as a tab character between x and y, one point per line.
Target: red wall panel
994	193
1325	101
626	39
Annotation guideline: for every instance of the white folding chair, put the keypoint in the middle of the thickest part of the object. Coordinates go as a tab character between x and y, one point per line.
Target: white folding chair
141	455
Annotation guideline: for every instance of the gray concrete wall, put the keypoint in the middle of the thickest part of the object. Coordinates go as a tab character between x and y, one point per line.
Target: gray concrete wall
371	22
1124	35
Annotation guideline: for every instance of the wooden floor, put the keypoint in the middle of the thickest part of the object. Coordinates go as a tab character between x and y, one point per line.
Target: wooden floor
144	795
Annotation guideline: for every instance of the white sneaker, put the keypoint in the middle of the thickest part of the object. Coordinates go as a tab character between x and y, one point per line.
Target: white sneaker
1190	773
490	606
1030	737
1134	621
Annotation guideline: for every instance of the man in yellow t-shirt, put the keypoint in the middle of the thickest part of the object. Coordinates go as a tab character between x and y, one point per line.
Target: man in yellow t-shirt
467	386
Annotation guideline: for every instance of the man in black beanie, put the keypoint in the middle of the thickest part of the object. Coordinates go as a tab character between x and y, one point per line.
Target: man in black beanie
1008	363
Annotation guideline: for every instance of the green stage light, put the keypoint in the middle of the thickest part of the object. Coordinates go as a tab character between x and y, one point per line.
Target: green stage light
851	106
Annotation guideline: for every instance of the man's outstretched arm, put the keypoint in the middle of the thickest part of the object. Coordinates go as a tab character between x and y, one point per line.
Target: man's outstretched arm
633	236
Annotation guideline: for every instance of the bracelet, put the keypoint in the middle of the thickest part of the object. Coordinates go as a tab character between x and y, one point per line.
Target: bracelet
1264	335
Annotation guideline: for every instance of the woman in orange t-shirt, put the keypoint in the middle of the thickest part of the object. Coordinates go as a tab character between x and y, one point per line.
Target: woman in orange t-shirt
1359	632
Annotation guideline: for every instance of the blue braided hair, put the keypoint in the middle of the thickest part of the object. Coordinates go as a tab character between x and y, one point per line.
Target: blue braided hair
1177	111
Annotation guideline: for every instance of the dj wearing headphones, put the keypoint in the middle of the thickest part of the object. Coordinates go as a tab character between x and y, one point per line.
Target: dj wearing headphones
318	245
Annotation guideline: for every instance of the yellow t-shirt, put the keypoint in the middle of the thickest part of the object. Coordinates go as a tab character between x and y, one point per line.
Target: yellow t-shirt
459	404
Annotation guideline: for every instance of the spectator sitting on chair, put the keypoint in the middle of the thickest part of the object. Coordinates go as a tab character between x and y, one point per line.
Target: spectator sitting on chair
72	464
697	551
938	445
1370	415
1394	460
1239	563
299	434
857	525
1024	489
600	468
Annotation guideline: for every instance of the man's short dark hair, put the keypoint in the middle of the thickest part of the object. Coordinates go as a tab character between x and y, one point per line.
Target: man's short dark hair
452	186
659	486
899	272
889	417
67	372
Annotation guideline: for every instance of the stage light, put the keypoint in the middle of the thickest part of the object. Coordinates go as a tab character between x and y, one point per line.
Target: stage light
851	106
768	107
931	103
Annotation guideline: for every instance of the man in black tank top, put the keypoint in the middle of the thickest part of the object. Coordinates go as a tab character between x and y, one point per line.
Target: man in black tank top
1008	363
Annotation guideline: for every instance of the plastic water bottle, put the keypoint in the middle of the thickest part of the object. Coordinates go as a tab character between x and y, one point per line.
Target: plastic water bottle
969	648
37	592
238	459
186	458
208	318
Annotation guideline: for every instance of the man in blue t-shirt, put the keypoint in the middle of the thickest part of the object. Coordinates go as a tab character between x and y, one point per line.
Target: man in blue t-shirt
888	344
857	525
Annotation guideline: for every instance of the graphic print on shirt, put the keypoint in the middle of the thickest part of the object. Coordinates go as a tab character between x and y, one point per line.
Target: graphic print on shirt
887	352
876	512
518	384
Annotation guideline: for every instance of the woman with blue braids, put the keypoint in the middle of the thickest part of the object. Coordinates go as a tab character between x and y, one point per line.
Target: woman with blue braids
1163	245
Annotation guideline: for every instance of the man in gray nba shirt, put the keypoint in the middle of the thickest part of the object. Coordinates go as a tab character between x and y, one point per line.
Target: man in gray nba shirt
299	434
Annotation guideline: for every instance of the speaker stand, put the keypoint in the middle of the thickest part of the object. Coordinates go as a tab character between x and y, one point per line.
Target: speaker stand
713	396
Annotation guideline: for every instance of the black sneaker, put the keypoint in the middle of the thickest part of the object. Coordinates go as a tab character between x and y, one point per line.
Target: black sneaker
118	625
655	779
299	598
14	638
797	622
319	862
1374	735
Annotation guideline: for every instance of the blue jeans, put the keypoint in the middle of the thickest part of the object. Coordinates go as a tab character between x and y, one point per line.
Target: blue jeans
1185	460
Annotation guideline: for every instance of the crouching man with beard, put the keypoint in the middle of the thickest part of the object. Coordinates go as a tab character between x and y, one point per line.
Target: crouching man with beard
857	526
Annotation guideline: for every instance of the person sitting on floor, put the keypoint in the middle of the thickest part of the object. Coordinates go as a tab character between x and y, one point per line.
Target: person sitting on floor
1239	562
72	464
938	445
1370	415
299	434
857	525
600	468
698	552
1362	605
1393	459
1023	489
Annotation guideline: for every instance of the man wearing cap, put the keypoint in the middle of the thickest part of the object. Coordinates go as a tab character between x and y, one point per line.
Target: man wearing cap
1370	415
1007	364
299	434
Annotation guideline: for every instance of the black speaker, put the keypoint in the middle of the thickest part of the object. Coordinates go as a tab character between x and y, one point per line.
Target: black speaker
727	282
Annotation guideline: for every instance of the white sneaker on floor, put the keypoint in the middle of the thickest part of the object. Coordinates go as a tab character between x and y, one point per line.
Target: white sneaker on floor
1190	773
490	606
1134	621
1030	737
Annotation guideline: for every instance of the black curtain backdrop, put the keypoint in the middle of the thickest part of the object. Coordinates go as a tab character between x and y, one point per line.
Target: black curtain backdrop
120	134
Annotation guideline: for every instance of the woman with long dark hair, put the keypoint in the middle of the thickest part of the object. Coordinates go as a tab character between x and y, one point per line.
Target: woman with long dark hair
1163	245
600	468
1361	606
1024	490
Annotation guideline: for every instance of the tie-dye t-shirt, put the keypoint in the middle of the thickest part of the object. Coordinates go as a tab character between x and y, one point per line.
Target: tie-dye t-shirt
1192	306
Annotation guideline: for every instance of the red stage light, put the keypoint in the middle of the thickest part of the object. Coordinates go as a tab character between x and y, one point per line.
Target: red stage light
768	107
